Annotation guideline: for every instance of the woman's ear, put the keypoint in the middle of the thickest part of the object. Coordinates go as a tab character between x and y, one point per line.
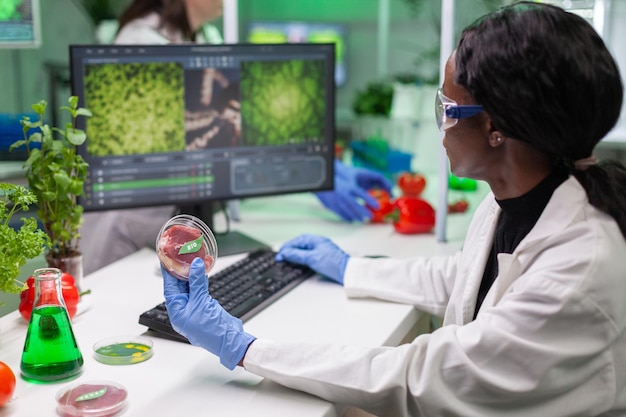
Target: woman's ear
496	138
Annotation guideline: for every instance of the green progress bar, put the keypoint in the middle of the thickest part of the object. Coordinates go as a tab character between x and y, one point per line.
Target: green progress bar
160	182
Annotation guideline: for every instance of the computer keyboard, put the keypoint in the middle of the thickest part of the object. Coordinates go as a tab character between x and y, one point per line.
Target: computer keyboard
244	289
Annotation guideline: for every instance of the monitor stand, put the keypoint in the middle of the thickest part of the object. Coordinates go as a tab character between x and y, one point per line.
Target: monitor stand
234	242
231	242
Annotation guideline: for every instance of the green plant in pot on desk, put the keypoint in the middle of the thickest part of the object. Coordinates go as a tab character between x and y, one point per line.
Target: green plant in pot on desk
56	173
17	244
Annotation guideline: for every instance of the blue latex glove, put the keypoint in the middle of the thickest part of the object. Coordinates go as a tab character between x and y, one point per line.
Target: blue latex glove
199	317
318	253
349	198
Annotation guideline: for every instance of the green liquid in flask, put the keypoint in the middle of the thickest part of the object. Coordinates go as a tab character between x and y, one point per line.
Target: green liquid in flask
50	351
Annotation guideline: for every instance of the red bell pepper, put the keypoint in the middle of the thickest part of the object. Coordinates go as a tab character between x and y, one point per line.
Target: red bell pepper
411	183
71	296
385	206
413	215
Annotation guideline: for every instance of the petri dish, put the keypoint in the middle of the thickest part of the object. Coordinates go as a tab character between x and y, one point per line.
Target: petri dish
91	399
182	239
123	350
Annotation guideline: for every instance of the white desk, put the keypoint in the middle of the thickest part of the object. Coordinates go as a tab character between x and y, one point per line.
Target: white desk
13	172
182	380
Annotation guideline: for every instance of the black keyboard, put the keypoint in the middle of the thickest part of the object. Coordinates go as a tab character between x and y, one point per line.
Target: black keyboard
244	289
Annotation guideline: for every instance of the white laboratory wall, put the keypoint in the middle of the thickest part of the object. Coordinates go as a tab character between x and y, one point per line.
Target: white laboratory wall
615	33
22	71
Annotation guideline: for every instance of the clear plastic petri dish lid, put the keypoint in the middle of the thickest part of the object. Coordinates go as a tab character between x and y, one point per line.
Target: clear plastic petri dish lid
91	399
123	350
182	239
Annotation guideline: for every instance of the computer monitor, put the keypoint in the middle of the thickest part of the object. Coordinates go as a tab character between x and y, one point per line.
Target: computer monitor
266	32
19	24
190	125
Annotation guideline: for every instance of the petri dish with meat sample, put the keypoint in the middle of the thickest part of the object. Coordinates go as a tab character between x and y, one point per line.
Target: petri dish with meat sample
182	239
92	399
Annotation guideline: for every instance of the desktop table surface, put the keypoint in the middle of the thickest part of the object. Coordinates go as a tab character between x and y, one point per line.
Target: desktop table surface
181	379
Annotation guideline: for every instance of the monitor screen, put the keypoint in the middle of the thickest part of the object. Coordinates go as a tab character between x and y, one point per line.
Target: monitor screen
19	24
304	32
189	124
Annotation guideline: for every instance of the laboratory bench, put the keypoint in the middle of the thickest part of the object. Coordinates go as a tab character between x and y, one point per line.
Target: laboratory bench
180	379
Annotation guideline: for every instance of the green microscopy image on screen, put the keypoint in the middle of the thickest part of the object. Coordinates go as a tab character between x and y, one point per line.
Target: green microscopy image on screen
282	102
137	108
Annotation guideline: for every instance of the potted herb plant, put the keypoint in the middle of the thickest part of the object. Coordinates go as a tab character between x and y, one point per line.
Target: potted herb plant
17	244
56	173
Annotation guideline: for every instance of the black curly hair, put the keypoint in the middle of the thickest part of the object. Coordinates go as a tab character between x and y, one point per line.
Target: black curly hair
545	77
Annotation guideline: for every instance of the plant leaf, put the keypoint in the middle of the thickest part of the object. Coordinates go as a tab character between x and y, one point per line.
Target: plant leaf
35	137
76	136
62	180
83	112
17	144
40	107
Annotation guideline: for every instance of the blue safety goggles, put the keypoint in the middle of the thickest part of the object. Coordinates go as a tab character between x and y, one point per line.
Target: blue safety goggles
448	112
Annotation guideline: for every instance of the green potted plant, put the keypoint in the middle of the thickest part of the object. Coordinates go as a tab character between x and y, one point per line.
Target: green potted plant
56	173
374	100
17	244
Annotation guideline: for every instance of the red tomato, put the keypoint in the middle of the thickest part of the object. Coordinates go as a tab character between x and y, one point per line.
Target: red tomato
7	383
385	206
339	151
413	215
411	183
71	296
459	206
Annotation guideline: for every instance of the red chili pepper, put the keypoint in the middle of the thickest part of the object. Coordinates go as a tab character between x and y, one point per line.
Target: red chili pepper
411	183
385	206
71	296
413	215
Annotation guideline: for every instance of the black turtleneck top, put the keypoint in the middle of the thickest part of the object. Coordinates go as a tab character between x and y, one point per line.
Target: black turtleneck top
519	215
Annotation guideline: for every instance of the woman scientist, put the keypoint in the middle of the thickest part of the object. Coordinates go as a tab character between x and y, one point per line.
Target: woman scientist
125	231
534	304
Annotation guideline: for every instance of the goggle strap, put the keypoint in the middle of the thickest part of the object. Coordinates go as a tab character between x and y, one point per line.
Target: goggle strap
462	112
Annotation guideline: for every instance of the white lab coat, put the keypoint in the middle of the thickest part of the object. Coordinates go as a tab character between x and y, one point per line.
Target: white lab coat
108	236
548	340
148	31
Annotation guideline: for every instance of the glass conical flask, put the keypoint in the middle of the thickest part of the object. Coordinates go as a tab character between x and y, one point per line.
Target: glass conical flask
50	350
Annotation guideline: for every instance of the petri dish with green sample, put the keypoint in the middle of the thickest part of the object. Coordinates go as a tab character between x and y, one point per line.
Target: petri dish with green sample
123	350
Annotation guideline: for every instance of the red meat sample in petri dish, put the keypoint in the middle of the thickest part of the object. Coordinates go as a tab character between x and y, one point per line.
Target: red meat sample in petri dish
182	239
92	399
